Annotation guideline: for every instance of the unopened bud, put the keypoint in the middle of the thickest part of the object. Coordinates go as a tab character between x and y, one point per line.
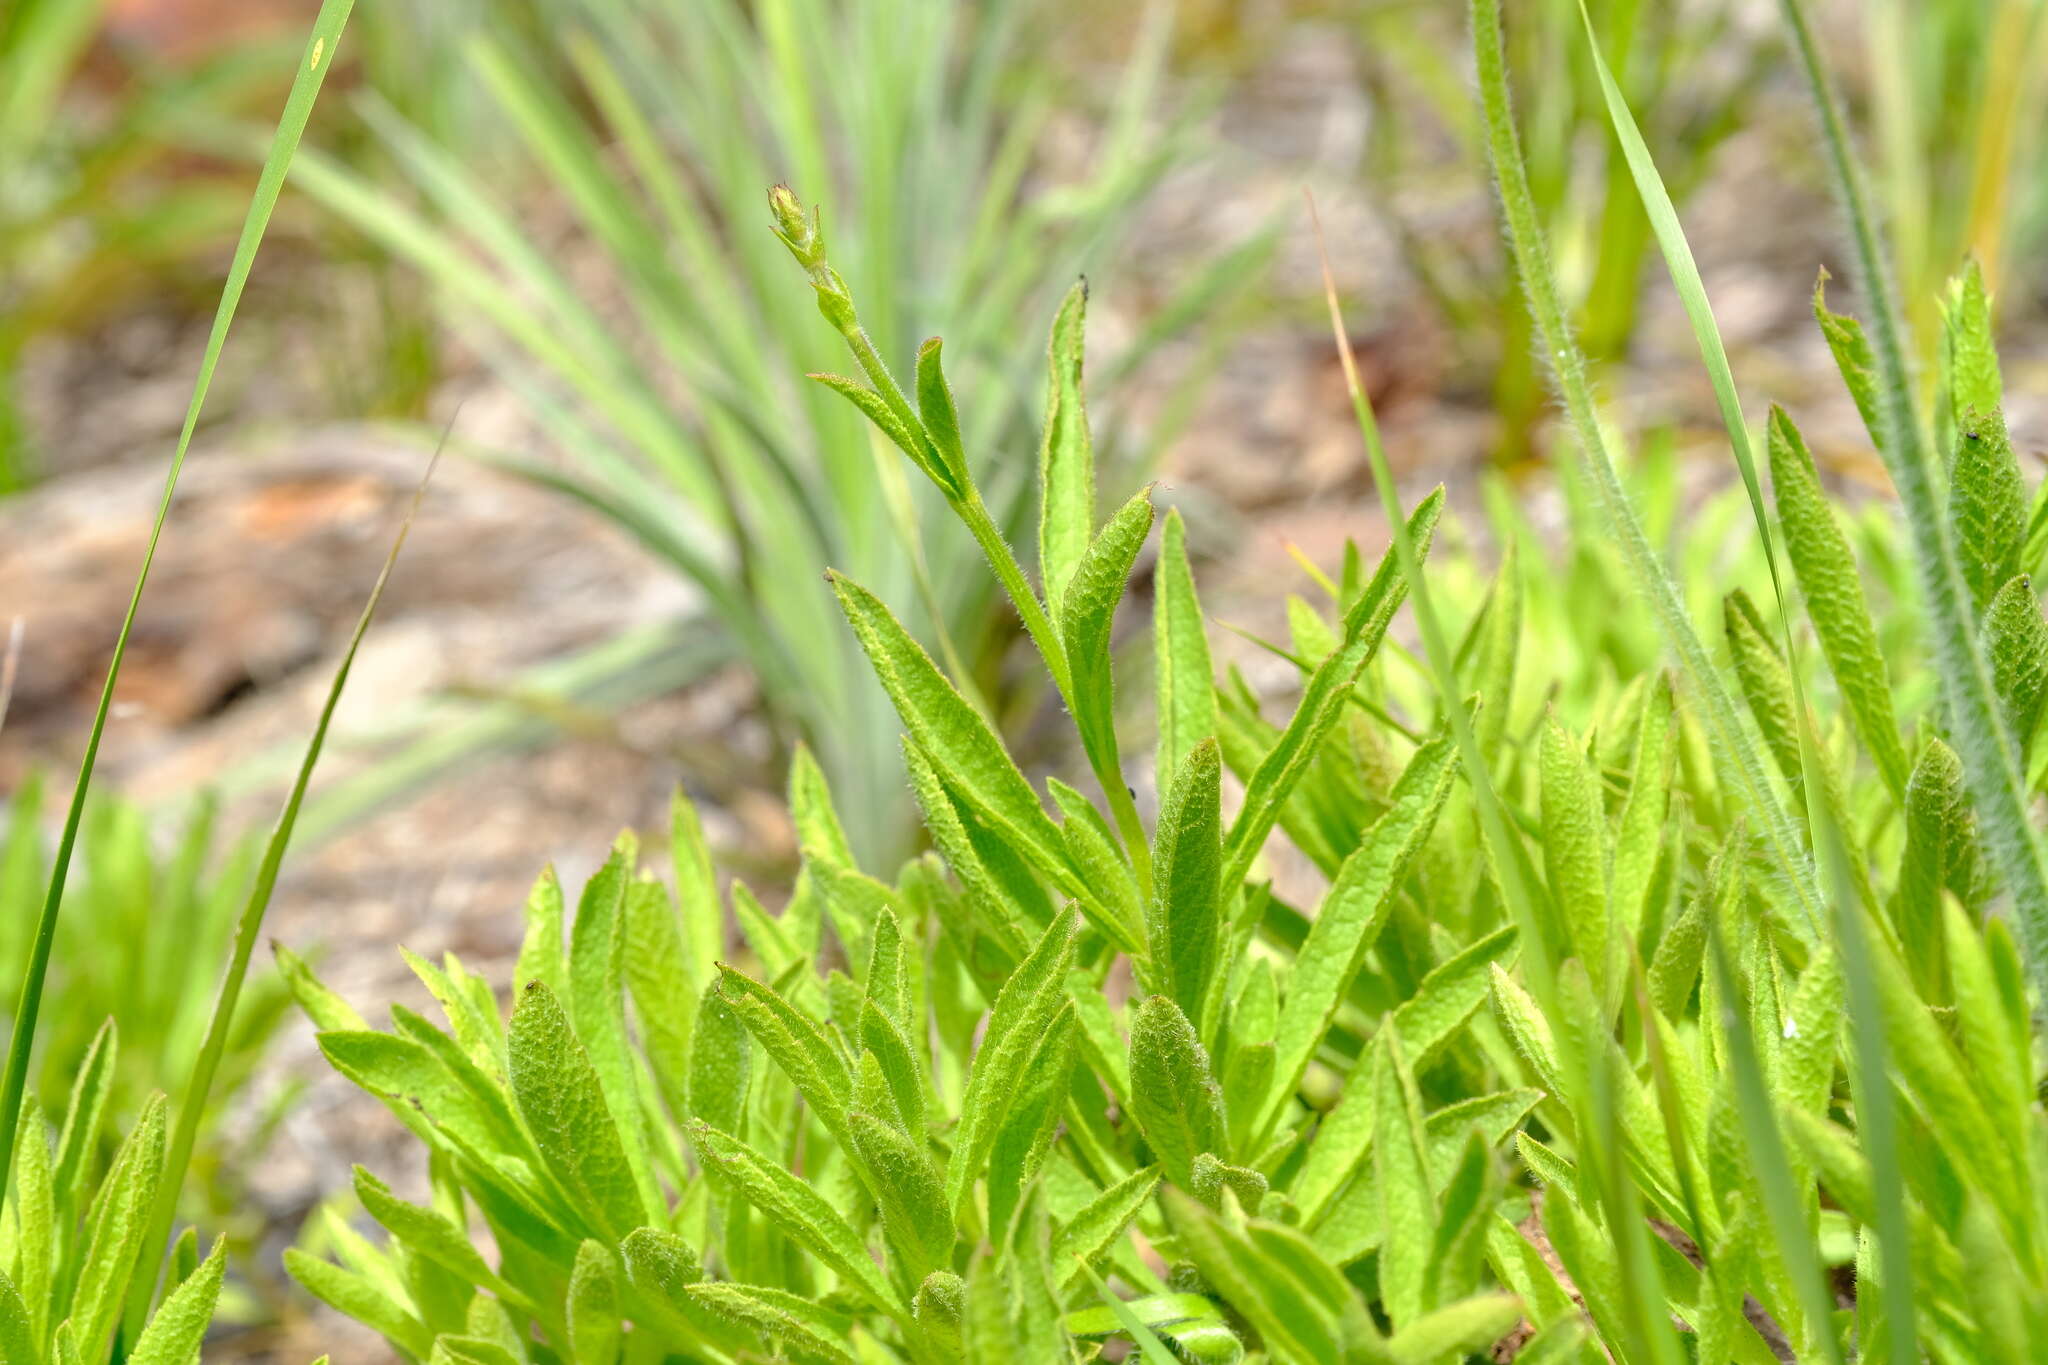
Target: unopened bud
799	233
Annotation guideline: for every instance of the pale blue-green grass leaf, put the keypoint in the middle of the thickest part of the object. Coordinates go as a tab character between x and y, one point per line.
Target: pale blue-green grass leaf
1834	597
1087	613
1324	698
1350	917
1174	1095
1066	458
1184	683
801	1212
1185	929
561	1097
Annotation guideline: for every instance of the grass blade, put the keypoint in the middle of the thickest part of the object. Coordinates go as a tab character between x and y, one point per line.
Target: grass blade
319	59
192	1107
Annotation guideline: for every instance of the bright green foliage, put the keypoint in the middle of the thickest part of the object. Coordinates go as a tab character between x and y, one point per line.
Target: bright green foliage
680	414
1633	1014
74	1231
144	934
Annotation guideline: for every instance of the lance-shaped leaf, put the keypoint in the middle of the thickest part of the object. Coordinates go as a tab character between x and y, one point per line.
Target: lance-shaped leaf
1853	357
1184	682
1766	683
1093	1230
542	954
961	745
1639	839
1970	359
1024	1009
1834	598
597	1005
800	1211
1087	612
1066	459
1270	1275
593	1305
806	1055
912	1199
720	1064
1575	857
1401	1167
1351	914
911	442
562	1100
2017	640
1174	1095
1988	500
805	1327
118	1224
174	1334
427	1233
941	422
1940	852
1324	698
1496	643
358	1297
1465	1328
1187	914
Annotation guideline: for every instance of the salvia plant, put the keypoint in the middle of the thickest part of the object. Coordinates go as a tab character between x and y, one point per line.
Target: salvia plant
1681	1012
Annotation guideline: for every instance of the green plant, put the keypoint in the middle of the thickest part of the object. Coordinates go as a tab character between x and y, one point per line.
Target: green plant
672	397
101	1278
75	1229
144	938
1694	69
1733	964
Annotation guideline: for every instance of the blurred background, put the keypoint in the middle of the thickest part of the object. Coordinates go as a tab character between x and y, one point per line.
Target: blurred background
540	226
